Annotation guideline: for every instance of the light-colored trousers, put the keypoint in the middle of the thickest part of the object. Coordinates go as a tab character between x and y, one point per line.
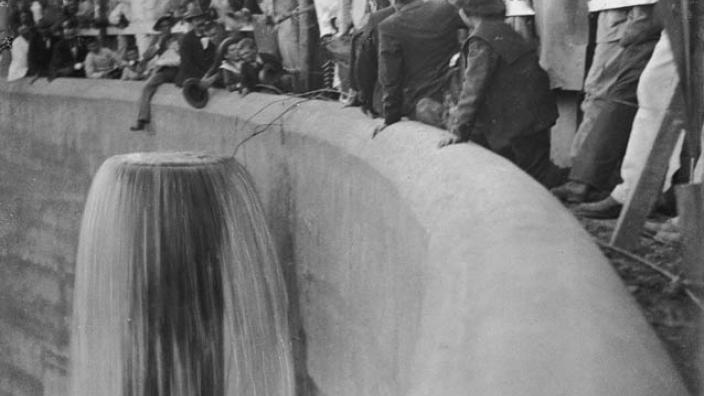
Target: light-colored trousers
656	89
603	71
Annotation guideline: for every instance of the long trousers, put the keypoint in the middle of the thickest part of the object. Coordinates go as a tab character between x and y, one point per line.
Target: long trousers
162	76
598	160
658	85
603	71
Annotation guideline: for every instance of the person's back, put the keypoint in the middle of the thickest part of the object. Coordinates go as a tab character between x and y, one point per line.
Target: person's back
41	48
518	87
366	66
416	44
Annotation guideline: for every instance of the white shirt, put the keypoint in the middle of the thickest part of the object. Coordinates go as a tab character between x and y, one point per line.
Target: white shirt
205	42
18	66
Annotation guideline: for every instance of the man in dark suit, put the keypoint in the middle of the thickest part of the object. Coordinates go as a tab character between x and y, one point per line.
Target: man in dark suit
68	54
366	67
197	48
415	47
41	47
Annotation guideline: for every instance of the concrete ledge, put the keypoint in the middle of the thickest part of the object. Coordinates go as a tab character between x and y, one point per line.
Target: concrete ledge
417	271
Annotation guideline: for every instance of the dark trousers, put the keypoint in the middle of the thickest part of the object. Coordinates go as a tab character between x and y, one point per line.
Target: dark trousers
599	158
531	153
598	161
162	76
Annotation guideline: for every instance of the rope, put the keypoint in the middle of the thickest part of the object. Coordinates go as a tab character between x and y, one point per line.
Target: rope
674	279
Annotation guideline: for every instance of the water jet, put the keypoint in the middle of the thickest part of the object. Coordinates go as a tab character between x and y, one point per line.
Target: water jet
178	290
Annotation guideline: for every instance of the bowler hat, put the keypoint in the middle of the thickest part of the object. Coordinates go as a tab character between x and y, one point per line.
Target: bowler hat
195	93
481	7
164	19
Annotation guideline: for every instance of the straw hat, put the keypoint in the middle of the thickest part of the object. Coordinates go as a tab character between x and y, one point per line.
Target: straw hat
168	18
518	8
480	7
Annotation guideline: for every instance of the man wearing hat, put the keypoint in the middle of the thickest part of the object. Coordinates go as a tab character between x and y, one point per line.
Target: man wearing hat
161	74
197	49
506	104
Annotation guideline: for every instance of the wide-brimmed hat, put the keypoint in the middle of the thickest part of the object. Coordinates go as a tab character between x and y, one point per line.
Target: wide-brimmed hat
195	12
481	7
518	8
195	93
164	19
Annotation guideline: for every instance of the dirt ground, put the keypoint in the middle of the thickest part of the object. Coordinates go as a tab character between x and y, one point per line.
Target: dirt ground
673	315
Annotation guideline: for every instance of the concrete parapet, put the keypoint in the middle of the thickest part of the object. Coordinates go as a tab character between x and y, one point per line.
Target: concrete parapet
413	271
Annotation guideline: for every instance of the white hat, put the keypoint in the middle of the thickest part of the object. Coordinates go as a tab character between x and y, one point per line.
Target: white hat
518	8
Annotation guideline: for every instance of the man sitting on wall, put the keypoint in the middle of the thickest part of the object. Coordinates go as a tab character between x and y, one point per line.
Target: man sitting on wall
506	104
69	53
197	48
41	47
164	59
415	47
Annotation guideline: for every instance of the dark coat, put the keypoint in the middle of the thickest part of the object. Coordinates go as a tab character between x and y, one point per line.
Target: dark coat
195	61
415	47
63	58
505	93
366	62
39	55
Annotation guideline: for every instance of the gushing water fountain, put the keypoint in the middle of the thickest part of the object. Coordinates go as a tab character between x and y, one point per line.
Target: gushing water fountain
178	290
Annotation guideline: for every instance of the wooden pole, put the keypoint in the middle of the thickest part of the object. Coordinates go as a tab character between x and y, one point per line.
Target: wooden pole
690	207
647	190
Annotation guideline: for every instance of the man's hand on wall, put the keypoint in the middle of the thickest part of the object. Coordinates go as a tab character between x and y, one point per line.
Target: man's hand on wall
378	129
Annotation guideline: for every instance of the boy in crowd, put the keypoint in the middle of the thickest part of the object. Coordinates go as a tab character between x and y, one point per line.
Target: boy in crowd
506	104
102	62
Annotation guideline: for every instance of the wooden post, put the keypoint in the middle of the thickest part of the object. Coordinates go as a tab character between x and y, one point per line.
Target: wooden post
647	190
690	207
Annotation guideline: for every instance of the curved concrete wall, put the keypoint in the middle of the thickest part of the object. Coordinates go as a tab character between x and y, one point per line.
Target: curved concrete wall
417	271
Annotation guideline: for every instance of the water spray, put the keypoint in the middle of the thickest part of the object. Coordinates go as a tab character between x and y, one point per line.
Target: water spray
178	289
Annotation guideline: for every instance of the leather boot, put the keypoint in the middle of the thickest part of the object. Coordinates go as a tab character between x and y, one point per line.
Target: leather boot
607	208
571	192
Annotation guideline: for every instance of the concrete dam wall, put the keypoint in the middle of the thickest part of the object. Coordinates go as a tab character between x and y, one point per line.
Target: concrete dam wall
411	270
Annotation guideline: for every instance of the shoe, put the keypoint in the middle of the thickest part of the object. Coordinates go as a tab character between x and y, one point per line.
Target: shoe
607	208
139	126
572	192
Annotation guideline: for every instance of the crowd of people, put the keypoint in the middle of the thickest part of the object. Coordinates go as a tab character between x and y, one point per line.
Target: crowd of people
205	55
407	62
503	101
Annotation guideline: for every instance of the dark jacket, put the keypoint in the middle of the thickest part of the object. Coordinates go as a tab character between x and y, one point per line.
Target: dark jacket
195	61
366	63
505	93
39	55
63	58
415	47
